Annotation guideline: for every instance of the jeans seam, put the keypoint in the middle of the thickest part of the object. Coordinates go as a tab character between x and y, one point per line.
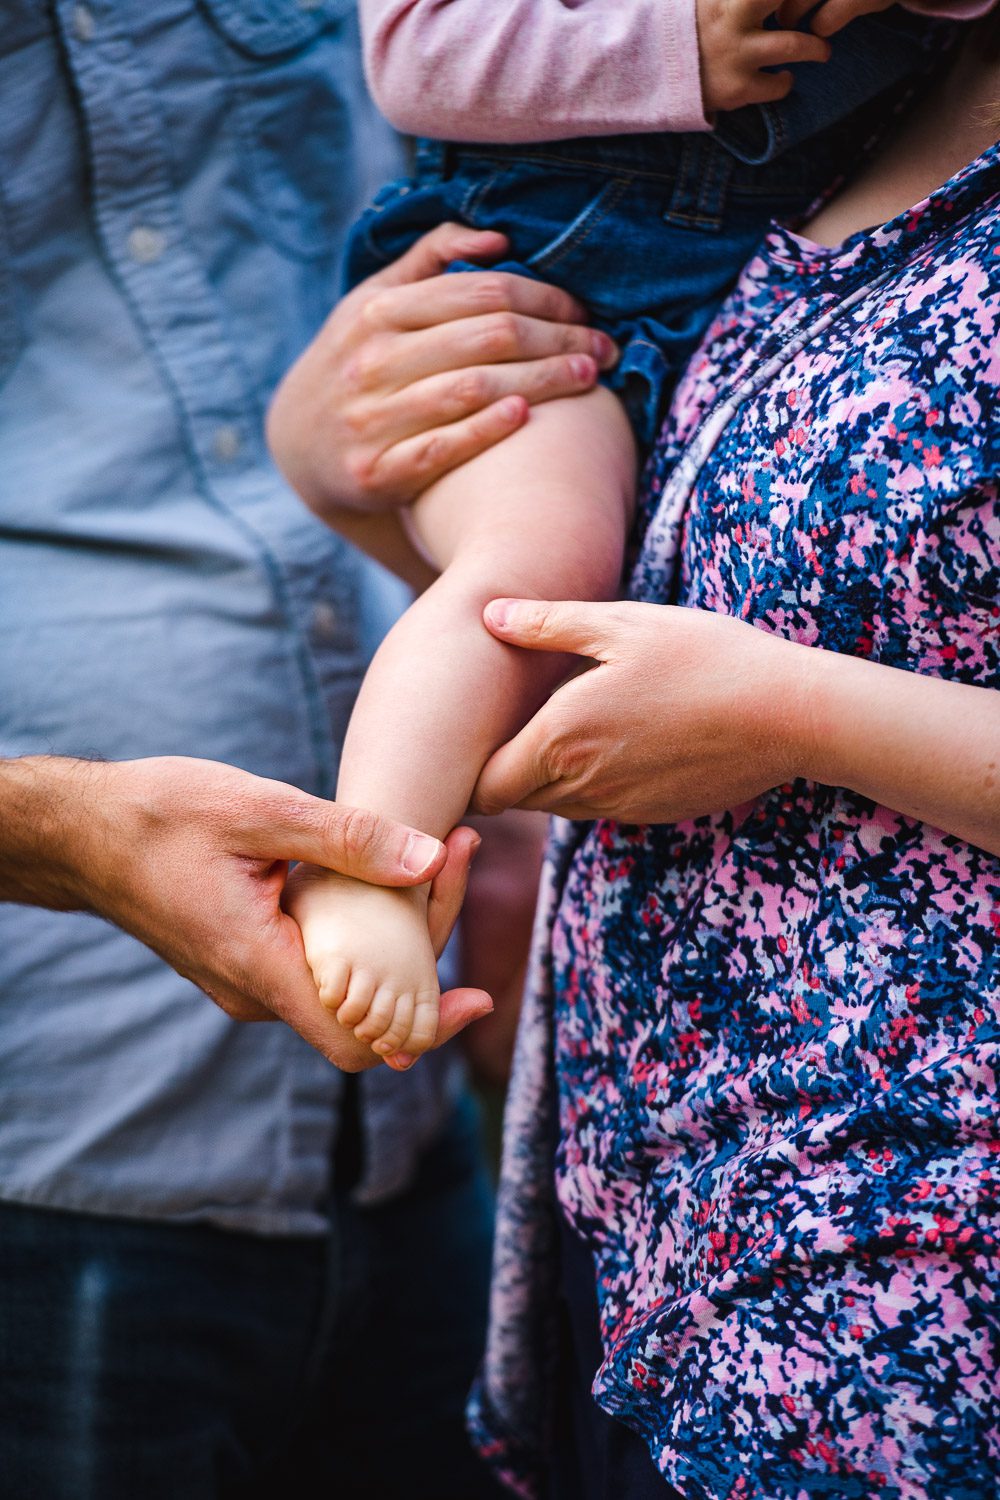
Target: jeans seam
606	201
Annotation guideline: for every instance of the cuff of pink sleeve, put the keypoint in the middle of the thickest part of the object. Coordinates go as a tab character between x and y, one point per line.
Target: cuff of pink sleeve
684	107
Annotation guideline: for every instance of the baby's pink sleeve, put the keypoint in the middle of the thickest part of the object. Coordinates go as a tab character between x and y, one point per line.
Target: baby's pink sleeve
533	70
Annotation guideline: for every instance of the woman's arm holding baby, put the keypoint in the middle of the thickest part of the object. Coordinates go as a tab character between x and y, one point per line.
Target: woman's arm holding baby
689	712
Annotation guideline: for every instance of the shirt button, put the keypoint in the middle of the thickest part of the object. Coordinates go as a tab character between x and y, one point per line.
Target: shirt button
146	244
83	23
226	443
324	622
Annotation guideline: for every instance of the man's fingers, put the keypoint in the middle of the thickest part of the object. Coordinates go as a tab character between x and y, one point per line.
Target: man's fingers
282	823
444	299
448	888
433	251
459	1008
540	625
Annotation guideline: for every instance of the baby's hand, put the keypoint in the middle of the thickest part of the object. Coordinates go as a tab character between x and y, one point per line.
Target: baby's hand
371	956
831	16
734	47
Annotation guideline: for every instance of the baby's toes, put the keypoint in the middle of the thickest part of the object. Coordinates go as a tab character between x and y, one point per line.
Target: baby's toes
379	1017
425	1023
332	976
398	1029
360	993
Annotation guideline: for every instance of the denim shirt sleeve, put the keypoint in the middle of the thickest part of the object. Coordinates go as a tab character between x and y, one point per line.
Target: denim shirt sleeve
176	180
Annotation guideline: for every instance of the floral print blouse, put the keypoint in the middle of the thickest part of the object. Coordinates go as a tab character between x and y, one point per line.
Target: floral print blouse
776	1031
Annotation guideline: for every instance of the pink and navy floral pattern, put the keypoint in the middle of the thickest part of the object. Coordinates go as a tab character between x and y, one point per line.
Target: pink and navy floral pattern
777	1030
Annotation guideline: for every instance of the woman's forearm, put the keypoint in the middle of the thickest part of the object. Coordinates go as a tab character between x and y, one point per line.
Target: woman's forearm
919	745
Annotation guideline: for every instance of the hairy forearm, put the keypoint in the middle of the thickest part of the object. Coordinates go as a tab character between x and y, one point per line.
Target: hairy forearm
919	745
41	812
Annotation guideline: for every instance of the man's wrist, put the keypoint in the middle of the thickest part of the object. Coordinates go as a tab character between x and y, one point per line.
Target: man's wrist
43	830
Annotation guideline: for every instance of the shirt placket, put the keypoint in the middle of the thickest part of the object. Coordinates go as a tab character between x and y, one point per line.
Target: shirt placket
141	232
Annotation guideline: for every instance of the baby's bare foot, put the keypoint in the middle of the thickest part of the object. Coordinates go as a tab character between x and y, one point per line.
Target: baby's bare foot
371	957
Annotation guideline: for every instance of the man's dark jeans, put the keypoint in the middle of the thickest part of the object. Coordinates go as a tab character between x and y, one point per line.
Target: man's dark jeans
146	1361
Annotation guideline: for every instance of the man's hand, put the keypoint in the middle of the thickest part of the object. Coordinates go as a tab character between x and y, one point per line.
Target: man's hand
414	372
735	47
191	857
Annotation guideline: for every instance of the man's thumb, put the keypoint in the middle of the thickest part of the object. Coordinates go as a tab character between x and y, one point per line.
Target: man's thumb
287	824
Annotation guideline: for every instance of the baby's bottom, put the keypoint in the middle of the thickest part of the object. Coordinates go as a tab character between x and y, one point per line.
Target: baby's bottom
542	515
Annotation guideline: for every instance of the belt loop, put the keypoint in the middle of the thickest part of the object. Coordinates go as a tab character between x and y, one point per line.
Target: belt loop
431	159
702	183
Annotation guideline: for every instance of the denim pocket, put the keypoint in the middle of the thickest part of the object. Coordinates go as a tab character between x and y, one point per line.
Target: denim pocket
295	75
267	29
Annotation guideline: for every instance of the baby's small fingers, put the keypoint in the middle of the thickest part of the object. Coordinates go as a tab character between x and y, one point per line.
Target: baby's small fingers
768	88
791	12
423	1032
400	1021
835	14
332	977
772	49
360	993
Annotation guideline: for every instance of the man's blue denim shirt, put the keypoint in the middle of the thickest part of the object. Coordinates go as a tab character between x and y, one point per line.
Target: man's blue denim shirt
176	179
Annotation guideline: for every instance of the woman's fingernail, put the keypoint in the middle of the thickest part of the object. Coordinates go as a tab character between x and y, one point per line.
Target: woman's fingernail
605	349
499	611
402	1062
512	408
582	367
420	853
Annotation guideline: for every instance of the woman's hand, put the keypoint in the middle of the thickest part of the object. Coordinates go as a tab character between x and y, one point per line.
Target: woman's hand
415	372
689	712
685	713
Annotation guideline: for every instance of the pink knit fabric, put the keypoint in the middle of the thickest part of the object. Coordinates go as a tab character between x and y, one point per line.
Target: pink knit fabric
533	70
543	70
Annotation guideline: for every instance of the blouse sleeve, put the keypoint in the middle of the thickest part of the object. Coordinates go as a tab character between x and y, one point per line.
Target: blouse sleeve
533	70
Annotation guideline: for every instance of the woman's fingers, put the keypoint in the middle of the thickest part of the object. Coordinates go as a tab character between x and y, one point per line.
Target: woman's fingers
494	338
540	625
437	249
408	467
470	294
516	771
488	339
459	393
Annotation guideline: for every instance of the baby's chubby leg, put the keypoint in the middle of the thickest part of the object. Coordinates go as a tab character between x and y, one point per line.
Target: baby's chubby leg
542	515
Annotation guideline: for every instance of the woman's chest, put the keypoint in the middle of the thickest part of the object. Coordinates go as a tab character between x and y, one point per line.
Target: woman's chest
849	501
